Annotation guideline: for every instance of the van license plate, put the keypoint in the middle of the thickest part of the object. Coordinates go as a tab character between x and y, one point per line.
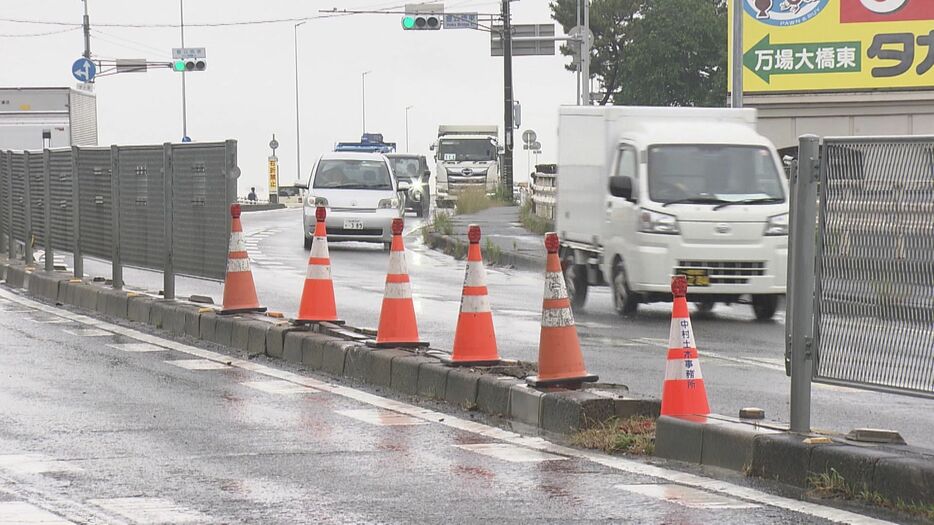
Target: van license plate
695	277
353	224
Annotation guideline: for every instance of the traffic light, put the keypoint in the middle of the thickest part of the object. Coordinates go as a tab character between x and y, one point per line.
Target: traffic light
423	16
189	65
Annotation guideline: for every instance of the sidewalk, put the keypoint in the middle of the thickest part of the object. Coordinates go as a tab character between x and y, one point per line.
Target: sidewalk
516	246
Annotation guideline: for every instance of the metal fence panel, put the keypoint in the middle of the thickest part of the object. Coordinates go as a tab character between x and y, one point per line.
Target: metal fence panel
4	198
874	317
142	206
37	198
202	193
18	195
95	202
62	208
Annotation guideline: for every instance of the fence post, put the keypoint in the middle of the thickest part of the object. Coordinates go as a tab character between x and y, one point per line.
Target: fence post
76	215
11	240
116	263
47	218
3	238
168	178
801	259
27	210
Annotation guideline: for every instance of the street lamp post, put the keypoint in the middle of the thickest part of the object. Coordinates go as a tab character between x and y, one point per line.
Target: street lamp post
407	108
363	81
298	128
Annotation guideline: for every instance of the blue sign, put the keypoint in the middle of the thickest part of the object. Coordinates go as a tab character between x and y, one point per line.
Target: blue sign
186	138
786	13
460	20
84	70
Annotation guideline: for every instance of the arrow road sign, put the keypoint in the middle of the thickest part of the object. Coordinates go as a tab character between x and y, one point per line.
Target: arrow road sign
83	70
766	59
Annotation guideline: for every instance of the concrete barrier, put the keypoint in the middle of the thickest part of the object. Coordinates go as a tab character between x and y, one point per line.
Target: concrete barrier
461	388
138	308
405	373
333	355
275	339
493	394
432	380
525	404
569	411
312	351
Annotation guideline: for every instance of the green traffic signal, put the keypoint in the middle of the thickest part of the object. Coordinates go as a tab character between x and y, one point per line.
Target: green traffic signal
178	65
408	22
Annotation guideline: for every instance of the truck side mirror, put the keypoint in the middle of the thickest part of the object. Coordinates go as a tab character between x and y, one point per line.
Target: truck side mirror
403	185
427	174
621	187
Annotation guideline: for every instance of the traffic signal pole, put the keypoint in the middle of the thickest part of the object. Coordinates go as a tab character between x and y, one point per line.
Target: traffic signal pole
87	32
181	5
508	99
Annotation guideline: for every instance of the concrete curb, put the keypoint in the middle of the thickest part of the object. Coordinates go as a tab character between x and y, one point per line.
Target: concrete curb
451	246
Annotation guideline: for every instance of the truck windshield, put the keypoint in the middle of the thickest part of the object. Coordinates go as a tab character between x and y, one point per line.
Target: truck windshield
466	150
352	174
713	173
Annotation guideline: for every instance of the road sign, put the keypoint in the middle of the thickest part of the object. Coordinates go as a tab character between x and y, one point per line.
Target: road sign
273	144
181	53
131	65
273	175
186	139
527	40
529	136
536	146
460	20
575	46
84	70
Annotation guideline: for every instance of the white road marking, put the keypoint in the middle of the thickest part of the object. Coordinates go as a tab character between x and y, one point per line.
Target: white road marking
510	453
381	418
138	347
33	464
51	321
88	332
614	462
687	496
197	364
22	513
277	386
16	311
150	510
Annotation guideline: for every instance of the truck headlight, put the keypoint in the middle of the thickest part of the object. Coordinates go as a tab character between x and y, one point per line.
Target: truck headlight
415	194
314	202
777	225
654	222
388	204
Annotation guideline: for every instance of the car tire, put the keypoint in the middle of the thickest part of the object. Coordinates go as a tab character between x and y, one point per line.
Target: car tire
575	279
705	307
764	306
308	243
625	301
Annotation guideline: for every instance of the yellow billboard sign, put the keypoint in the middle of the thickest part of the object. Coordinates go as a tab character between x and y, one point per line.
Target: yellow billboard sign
836	45
273	175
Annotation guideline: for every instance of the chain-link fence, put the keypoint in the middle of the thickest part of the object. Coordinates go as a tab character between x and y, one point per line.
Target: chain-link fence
157	207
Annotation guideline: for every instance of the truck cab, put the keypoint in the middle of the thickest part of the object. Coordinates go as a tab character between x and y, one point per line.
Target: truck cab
466	159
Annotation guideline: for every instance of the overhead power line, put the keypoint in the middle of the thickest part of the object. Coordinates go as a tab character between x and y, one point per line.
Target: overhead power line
169	26
27	35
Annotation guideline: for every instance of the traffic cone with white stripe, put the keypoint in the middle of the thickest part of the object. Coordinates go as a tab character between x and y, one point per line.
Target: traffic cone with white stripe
560	361
318	295
683	393
239	290
397	325
474	339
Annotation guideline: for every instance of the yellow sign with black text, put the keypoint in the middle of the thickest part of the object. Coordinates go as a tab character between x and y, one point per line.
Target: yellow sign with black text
836	45
273	175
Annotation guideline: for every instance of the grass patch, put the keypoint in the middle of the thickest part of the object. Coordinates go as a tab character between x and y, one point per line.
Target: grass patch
441	222
503	196
492	253
532	222
833	485
472	201
635	435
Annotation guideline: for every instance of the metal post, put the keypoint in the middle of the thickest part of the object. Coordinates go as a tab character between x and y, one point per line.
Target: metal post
579	49
585	55
407	108
363	81
27	210
87	32
507	99
298	127
168	176
78	261
181	5
736	98
11	240
801	258
47	200
116	262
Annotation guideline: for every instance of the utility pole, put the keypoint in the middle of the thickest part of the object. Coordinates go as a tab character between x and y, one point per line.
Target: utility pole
181	5
407	108
507	96
87	32
585	55
580	48
736	98
298	128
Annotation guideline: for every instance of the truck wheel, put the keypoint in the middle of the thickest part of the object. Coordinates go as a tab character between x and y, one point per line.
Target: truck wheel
624	300
308	243
764	306
575	278
705	306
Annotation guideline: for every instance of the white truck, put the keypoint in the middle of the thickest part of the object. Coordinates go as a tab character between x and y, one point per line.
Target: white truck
647	193
466	157
36	118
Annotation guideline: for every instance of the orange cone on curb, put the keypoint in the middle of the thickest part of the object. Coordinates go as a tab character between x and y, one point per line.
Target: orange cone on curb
239	290
683	393
397	326
474	339
318	295
560	362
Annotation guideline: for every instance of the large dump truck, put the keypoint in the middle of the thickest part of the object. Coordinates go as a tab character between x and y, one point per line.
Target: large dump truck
466	158
36	118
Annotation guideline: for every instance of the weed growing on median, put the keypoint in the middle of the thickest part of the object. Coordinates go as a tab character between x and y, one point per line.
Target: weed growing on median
635	435
472	201
532	222
833	485
503	196
441	222
492	253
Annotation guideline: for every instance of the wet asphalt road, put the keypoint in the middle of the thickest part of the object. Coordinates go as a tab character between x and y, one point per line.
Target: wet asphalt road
100	423
742	359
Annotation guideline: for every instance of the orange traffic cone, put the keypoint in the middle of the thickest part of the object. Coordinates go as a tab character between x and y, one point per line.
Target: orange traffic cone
560	362
474	339
239	290
684	393
397	326
318	295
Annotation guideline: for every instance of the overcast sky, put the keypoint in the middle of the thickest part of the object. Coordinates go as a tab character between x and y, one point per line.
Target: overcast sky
248	93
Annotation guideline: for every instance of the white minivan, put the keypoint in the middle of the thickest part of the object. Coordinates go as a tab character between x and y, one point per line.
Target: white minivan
644	194
360	195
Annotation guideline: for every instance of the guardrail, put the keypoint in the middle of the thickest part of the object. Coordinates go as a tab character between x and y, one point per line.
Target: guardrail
156	207
544	187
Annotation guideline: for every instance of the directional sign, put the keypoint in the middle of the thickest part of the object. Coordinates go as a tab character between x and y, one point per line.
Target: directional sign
186	139
527	40
181	53
460	20
84	70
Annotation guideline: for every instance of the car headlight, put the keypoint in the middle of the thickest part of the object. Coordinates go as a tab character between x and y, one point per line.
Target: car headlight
314	202
387	204
654	222
777	225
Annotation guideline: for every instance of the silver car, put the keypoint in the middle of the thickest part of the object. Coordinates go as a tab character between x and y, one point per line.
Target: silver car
360	195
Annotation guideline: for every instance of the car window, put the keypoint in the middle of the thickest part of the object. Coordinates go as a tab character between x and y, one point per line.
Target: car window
405	168
352	174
